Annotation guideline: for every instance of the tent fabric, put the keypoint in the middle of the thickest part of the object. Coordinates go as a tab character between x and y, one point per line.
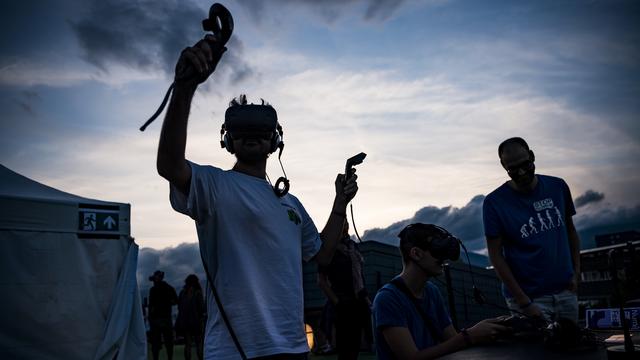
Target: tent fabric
30	206
67	293
124	337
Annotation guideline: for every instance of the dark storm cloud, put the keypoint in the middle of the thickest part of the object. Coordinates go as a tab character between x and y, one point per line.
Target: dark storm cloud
381	10
330	10
588	197
148	35
176	262
464	222
599	221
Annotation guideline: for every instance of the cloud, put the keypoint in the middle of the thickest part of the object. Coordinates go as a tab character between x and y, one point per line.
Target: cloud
176	262
58	72
147	36
329	10
466	222
605	219
26	101
588	197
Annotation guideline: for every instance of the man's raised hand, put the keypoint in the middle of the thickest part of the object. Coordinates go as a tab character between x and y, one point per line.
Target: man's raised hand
346	190
198	62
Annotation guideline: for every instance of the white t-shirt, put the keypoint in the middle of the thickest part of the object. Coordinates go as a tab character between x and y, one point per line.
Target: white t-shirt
253	243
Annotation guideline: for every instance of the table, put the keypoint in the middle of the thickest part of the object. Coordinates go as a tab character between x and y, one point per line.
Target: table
515	350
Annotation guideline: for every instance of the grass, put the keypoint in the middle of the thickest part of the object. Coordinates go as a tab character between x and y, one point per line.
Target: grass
178	354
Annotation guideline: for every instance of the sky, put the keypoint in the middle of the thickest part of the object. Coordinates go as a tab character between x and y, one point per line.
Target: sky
428	89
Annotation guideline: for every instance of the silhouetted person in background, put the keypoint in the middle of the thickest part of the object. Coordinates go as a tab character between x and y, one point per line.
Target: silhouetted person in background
162	297
532	242
342	282
191	310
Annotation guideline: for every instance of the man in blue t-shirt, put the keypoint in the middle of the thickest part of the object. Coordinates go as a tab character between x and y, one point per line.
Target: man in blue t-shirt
532	242
410	318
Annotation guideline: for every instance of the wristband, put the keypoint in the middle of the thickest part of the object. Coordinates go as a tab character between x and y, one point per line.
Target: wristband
522	307
466	337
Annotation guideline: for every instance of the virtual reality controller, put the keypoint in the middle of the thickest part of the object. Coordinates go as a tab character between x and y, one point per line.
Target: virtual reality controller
220	22
351	162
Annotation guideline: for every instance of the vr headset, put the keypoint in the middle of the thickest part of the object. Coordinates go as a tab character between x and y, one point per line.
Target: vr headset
443	246
251	122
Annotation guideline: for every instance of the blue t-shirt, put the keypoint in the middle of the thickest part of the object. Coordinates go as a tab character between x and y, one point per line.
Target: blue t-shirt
535	241
392	308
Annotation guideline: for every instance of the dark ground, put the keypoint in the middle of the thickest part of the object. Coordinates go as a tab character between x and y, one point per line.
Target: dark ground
178	354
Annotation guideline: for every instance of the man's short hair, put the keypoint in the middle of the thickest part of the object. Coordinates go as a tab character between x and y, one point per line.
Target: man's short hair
416	235
510	142
242	100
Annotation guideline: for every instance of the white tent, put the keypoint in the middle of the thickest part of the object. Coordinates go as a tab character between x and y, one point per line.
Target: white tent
68	285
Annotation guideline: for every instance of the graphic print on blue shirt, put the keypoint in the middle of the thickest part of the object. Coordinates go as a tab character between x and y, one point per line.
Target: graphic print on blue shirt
293	215
534	234
548	218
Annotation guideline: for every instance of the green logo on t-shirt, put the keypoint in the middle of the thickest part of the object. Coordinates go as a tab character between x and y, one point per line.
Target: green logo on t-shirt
294	217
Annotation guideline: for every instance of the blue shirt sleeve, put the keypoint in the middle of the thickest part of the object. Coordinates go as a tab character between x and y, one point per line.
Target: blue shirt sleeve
570	209
492	224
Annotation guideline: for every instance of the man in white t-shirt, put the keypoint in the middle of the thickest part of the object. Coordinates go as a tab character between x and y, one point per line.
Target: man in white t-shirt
252	240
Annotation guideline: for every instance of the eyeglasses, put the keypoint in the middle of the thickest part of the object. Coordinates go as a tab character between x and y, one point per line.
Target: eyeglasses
261	135
525	165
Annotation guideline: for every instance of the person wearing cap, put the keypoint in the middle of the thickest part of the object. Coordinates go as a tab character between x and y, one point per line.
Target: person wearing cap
410	319
253	239
162	297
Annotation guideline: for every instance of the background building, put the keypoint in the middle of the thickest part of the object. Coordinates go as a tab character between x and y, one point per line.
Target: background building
596	287
382	262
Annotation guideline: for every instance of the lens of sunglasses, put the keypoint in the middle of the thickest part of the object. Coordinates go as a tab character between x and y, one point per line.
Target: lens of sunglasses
525	165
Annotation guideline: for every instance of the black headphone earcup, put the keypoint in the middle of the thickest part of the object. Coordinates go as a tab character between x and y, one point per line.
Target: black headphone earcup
276	139
228	143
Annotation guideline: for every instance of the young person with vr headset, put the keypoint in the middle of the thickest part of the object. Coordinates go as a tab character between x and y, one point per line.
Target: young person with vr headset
409	314
252	237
